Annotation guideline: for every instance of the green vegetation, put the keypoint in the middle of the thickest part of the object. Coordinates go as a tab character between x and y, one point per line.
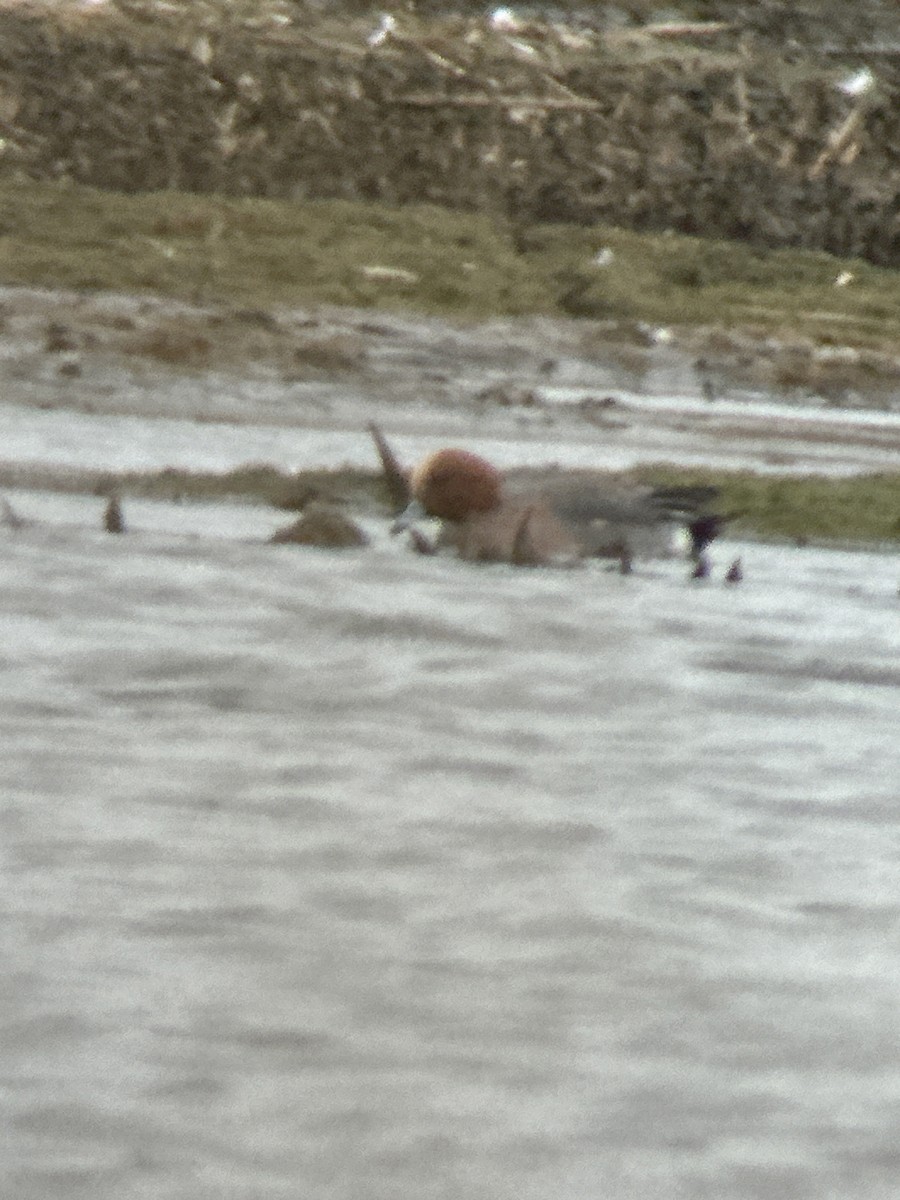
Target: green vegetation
810	508
258	253
668	279
807	507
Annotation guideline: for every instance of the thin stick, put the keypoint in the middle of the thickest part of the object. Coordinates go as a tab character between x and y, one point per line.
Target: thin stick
435	100
394	475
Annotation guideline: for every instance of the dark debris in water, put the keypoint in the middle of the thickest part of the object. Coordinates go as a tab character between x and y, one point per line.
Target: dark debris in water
321	525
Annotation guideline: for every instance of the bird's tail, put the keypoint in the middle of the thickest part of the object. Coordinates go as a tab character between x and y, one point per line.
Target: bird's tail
684	503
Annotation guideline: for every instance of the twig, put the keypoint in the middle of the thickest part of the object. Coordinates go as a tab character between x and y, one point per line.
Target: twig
394	475
838	141
434	100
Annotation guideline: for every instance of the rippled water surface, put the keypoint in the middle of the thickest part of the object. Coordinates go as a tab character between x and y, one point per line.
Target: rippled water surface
371	877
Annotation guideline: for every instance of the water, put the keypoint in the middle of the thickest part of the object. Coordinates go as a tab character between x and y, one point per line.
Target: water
370	877
362	876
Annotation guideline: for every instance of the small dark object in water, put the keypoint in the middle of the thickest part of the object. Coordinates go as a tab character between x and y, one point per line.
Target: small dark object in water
321	525
626	559
701	568
9	517
509	396
113	521
59	338
419	542
735	572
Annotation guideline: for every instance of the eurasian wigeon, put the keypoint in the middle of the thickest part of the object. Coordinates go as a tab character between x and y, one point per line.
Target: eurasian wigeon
531	517
480	521
605	514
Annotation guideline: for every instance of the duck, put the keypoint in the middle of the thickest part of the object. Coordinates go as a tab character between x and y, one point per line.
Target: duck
529	517
480	521
606	514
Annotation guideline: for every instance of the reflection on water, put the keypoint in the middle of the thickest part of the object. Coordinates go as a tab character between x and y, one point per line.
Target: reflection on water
367	876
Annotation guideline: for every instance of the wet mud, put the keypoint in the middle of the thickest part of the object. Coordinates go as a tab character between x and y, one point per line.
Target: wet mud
95	359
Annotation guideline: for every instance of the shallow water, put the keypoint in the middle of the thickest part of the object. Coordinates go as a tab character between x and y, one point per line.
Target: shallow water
368	876
527	391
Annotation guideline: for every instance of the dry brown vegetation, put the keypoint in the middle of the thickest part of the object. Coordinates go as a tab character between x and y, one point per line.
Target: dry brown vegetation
712	131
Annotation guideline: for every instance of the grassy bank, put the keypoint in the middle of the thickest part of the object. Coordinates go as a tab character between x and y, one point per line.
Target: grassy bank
806	508
800	507
257	253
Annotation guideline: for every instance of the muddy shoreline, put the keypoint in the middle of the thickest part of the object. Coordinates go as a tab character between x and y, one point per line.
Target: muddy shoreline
170	400
66	349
